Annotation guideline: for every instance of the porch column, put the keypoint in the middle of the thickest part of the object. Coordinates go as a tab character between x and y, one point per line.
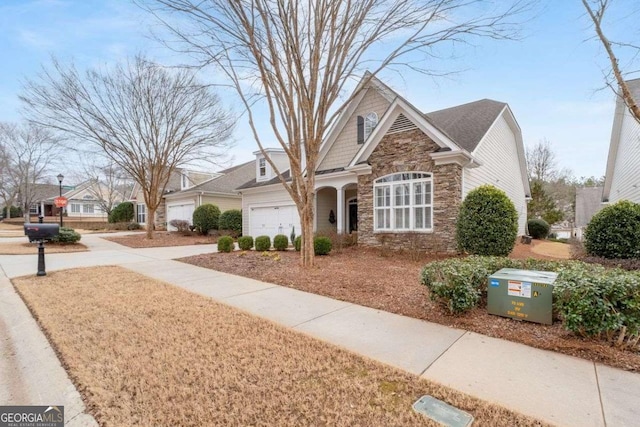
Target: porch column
42	208
340	208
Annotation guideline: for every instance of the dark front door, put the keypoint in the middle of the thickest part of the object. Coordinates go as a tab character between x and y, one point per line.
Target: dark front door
353	215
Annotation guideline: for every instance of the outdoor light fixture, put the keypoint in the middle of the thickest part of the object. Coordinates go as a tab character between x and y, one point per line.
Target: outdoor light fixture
60	178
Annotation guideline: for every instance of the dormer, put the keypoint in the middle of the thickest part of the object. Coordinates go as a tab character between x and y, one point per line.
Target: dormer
264	171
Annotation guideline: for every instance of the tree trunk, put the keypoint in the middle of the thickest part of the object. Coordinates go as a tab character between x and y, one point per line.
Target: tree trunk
151	215
306	218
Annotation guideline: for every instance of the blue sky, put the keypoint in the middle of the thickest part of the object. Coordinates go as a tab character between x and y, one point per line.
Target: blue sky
551	79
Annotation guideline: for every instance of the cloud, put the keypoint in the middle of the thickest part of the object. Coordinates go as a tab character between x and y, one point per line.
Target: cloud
36	40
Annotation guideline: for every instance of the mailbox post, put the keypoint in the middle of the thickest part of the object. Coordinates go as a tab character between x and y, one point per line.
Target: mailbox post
41	232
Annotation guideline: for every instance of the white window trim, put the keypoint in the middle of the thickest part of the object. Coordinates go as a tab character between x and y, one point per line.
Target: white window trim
262	167
371	117
144	207
411	205
76	208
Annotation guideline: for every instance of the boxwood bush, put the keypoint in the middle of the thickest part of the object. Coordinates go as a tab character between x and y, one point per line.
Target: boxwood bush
487	223
321	245
538	228
67	236
225	244
280	242
205	218
263	243
614	232
121	213
297	243
231	220
245	242
589	299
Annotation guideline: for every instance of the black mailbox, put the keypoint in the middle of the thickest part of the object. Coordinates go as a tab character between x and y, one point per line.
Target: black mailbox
41	231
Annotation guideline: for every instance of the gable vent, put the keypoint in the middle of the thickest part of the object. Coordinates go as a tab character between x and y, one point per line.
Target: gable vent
402	124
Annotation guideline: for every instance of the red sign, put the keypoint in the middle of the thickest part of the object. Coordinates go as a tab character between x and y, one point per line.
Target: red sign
60	202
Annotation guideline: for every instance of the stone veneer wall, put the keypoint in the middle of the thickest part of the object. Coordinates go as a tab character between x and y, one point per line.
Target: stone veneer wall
403	152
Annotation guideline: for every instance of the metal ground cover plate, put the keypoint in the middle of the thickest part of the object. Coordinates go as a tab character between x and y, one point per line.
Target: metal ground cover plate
442	412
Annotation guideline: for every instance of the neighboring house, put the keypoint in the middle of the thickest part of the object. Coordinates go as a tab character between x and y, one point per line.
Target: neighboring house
395	174
622	180
187	190
87	200
588	203
43	199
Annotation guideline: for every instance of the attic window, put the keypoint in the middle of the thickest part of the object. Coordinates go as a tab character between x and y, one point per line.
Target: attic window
185	181
370	122
262	167
402	124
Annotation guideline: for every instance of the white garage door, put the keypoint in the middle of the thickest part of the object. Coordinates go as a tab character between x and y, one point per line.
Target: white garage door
274	220
183	211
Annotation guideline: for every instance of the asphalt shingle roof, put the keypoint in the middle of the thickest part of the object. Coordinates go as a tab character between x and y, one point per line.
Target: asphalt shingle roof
588	203
254	183
233	178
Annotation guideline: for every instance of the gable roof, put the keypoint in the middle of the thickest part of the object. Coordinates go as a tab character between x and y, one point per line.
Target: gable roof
275	180
588	203
621	109
228	182
467	124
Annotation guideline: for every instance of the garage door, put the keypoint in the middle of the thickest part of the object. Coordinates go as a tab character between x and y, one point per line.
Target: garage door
182	211
270	221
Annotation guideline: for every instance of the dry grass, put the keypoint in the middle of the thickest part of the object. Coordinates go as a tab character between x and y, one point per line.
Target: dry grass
162	239
32	248
551	249
145	353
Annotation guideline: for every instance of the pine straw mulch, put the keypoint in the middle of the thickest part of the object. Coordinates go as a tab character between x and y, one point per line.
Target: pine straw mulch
162	239
391	282
146	353
32	248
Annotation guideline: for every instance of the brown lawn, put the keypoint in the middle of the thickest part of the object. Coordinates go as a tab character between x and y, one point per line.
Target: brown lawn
392	283
146	353
32	248
161	239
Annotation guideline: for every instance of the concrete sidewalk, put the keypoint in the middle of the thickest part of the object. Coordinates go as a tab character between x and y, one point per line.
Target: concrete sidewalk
560	389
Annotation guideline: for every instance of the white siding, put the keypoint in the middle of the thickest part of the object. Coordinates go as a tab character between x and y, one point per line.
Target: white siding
326	201
500	167
274	195
625	181
224	203
346	144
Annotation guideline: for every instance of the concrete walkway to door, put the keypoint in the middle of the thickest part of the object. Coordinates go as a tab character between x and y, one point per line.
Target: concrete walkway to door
560	389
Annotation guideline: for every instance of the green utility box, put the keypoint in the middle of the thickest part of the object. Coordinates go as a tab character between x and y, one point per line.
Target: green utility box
522	295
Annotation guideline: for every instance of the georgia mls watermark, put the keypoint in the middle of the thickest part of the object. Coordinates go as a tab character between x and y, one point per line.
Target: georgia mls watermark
31	416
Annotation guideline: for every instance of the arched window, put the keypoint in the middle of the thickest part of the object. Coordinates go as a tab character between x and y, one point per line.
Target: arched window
370	122
403	202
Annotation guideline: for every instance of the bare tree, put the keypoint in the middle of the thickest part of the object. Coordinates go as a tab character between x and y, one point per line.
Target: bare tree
30	151
147	119
297	57
107	182
541	162
597	10
7	188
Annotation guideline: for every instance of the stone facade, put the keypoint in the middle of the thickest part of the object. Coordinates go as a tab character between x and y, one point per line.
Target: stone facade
410	152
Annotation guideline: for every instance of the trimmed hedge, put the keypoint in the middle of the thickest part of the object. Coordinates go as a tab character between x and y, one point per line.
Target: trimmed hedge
67	236
487	223
589	299
263	243
231	220
225	244
245	242
321	245
124	212
538	228
15	211
280	242
297	244
614	232
205	218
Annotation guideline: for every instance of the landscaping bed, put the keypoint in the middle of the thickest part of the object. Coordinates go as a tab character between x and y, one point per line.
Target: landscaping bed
145	353
392	283
162	239
32	248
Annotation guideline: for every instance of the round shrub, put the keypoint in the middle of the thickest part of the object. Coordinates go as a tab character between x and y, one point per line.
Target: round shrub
263	243
205	218
245	242
538	228
67	236
614	232
225	244
321	245
487	223
122	213
297	243
231	220
281	242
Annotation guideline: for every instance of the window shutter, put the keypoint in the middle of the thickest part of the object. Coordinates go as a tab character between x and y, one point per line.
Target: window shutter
360	130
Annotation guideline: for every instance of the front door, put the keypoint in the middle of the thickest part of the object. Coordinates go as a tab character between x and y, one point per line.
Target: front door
353	215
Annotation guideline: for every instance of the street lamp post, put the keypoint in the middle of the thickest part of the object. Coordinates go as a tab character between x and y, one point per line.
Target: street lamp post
60	178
